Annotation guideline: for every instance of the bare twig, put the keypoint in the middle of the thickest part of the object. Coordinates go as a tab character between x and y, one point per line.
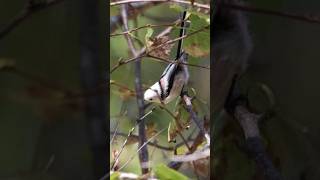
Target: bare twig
142	146
143	53
168	61
122	112
142	27
180	38
129	134
195	4
122	86
198	140
194	117
30	8
306	18
131	158
116	21
149	143
122	62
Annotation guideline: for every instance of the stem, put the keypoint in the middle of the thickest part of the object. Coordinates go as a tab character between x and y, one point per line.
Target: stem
143	153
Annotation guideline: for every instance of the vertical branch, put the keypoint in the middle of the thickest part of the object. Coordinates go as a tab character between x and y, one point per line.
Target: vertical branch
143	154
249	124
89	69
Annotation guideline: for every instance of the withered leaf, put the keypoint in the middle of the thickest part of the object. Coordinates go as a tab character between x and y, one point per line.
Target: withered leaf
159	48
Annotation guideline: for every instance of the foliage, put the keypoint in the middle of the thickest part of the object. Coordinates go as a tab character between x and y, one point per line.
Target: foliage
164	172
144	30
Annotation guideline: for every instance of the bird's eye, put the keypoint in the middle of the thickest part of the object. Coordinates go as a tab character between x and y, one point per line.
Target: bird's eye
150	99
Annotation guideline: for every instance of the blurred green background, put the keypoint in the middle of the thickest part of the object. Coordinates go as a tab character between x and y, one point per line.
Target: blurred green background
43	134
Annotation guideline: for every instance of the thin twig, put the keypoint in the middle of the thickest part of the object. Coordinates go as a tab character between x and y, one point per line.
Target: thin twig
122	86
180	38
306	18
169	61
143	51
129	134
150	143
194	117
131	158
141	147
116	21
30	8
195	4
122	62
196	143
142	27
122	112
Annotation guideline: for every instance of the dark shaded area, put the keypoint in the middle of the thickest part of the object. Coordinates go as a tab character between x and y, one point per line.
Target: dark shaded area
282	76
53	107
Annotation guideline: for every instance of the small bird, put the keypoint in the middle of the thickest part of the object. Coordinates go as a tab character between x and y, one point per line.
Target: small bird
171	82
174	77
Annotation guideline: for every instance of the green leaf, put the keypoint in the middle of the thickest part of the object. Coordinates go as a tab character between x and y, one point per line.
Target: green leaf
147	38
149	33
164	172
192	11
182	150
115	176
197	45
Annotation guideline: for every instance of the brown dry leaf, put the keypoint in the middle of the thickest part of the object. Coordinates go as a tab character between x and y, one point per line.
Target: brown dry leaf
151	129
125	94
132	140
163	51
202	166
115	153
172	133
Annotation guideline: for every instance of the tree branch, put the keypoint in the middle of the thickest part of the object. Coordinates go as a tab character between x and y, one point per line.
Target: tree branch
195	4
143	52
138	8
136	138
142	27
143	154
306	18
30	8
249	124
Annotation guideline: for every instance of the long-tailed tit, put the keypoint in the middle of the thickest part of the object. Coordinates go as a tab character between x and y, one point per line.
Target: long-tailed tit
171	82
174	77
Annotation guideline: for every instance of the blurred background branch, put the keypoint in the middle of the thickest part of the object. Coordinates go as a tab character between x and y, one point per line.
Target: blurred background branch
30	8
96	109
